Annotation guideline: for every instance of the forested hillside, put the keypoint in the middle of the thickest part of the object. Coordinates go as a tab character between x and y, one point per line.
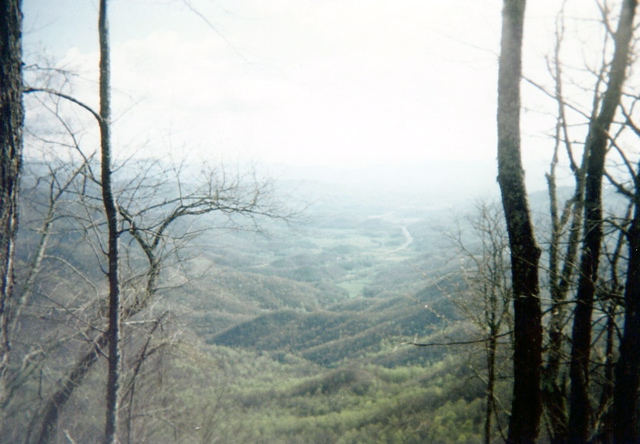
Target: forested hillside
301	329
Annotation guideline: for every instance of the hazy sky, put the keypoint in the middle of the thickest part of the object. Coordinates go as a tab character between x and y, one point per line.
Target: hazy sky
302	82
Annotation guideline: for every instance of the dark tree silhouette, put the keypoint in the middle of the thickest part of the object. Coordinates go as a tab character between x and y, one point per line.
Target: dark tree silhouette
596	146
526	405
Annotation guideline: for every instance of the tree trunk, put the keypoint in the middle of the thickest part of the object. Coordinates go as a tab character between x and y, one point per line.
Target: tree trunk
597	141
627	379
606	427
58	400
553	392
492	345
11	121
56	403
526	405
561	269
111	213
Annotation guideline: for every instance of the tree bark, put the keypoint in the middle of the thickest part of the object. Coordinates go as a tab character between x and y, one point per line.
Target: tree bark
11	121
597	142
526	404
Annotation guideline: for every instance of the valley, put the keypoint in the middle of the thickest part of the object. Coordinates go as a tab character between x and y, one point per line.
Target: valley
298	331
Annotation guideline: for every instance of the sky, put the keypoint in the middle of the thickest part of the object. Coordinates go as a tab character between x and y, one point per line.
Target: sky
340	83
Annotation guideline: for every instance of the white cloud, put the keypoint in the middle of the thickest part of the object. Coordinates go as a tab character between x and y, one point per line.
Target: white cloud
306	82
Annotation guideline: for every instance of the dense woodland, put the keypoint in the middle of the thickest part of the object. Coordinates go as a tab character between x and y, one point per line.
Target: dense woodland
150	300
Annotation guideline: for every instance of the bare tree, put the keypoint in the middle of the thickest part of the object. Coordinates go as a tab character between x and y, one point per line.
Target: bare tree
151	227
156	209
486	295
596	146
565	228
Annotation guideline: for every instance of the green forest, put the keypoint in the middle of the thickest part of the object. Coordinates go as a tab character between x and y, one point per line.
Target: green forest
301	332
157	299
